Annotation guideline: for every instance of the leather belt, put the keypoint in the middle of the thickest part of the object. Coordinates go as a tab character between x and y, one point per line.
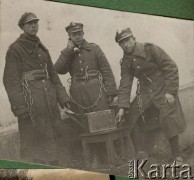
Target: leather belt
91	74
35	75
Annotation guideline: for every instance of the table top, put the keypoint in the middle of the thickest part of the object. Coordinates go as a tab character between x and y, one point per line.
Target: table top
108	131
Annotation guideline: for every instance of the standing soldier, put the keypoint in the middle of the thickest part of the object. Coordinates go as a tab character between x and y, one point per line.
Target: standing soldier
93	86
34	90
158	84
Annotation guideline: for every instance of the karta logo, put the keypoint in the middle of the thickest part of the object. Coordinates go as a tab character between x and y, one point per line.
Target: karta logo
156	171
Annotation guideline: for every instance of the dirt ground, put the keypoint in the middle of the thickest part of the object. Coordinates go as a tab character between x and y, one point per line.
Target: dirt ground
159	153
158	147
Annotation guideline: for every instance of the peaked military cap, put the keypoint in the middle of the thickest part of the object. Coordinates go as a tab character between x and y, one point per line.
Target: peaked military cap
27	17
125	33
74	27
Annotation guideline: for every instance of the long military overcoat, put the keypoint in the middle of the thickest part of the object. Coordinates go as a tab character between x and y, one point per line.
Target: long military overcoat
38	139
85	93
157	74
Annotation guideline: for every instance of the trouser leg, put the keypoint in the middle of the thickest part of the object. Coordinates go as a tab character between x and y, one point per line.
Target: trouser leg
138	138
174	144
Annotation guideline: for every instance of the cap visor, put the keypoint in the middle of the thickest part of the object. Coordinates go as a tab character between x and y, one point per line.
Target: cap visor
75	30
124	37
32	20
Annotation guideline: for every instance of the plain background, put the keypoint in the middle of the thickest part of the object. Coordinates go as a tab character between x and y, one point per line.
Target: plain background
175	36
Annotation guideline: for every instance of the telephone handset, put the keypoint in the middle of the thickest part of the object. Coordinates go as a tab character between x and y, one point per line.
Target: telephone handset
72	46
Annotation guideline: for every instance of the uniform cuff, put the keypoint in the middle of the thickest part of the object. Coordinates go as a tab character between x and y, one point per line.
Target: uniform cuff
18	110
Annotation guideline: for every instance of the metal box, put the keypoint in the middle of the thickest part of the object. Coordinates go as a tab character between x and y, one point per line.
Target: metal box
101	120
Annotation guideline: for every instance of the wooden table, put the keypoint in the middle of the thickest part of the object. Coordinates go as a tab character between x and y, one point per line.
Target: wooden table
108	137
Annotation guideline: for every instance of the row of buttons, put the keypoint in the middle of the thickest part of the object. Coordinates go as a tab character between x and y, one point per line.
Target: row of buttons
44	82
80	61
138	67
43	79
82	69
40	56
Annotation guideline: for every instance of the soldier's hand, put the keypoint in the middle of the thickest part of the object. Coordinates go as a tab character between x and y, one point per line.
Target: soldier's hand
24	116
66	105
110	99
70	44
119	115
169	98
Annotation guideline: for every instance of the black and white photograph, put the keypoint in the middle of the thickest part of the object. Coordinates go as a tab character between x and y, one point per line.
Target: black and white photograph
96	89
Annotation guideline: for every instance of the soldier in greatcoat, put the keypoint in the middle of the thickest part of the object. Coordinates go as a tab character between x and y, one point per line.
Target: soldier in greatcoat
92	84
34	90
157	88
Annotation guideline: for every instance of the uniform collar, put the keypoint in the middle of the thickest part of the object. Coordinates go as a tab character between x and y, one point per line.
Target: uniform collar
139	50
29	43
85	45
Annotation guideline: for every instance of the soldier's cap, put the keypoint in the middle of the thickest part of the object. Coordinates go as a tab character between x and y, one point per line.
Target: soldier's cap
74	27
125	33
27	17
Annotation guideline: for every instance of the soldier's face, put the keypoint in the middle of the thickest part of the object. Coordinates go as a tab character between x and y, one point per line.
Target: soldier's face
77	37
31	27
127	44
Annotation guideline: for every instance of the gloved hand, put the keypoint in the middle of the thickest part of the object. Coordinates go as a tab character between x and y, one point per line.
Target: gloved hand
24	116
169	98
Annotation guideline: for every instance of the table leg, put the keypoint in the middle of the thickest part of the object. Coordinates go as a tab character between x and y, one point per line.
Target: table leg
86	150
110	152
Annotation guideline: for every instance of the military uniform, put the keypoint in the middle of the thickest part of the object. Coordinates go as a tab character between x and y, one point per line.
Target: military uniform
91	82
157	74
91	77
34	87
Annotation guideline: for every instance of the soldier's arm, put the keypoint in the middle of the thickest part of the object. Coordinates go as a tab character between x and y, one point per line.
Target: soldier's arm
62	95
12	82
62	65
169	69
106	71
125	87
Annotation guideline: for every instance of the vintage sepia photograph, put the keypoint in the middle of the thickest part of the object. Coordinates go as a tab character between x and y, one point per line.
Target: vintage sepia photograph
95	89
